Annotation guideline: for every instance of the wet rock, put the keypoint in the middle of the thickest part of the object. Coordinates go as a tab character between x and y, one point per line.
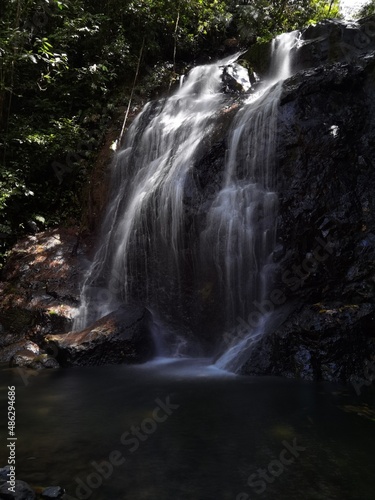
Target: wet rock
235	78
22	491
303	367
327	224
329	341
123	336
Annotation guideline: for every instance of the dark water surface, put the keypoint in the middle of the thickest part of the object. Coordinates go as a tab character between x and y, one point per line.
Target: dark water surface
225	431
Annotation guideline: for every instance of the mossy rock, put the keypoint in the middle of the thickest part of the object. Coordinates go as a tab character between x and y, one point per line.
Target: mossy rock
258	57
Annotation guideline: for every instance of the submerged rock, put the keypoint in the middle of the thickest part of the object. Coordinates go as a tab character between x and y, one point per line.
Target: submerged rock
123	336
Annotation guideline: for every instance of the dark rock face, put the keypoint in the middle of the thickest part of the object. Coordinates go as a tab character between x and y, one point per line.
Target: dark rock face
334	40
326	224
325	252
122	336
258	57
327	42
319	341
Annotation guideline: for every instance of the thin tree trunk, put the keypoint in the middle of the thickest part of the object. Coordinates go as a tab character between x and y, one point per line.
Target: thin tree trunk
131	95
11	80
175	39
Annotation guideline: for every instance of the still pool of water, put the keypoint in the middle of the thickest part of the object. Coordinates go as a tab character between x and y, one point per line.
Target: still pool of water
184	430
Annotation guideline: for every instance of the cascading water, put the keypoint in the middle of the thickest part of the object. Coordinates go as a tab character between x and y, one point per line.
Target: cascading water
154	248
142	242
244	213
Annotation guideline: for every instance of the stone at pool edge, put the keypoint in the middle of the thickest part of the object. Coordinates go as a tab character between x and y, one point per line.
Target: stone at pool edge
123	336
53	492
22	491
28	359
4	473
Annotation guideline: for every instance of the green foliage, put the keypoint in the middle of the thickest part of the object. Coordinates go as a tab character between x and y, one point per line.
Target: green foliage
60	65
262	20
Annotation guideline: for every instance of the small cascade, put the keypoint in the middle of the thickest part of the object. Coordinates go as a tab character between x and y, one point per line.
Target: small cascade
242	220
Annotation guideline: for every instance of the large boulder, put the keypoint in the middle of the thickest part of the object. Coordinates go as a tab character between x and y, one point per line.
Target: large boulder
321	341
123	336
235	78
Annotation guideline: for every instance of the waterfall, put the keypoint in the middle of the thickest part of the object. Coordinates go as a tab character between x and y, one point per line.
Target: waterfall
193	266
244	213
142	240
